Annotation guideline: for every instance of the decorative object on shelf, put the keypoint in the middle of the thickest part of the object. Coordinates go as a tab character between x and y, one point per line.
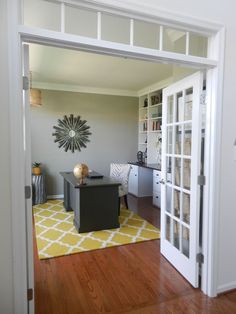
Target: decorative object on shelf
36	170
155	99
145	126
80	172
145	104
72	133
140	157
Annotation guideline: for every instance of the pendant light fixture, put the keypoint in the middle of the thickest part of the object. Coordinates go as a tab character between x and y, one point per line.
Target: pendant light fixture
35	95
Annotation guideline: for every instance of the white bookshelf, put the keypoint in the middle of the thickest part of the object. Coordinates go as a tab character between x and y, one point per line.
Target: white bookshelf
150	121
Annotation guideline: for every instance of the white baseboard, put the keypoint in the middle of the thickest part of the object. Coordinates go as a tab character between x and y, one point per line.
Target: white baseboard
227	287
55	197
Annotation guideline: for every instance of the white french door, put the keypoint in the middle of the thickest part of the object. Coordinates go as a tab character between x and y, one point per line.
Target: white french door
180	192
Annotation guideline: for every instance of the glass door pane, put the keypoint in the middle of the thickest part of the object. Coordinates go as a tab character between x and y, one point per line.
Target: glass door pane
181	156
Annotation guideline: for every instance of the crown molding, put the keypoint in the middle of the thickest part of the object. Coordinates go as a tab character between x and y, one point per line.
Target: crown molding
84	89
155	86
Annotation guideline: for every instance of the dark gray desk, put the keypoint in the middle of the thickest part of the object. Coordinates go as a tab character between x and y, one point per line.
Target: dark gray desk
95	204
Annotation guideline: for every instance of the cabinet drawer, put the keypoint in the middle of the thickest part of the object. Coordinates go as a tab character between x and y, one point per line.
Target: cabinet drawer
134	170
156	199
156	180
156	174
133	181
156	184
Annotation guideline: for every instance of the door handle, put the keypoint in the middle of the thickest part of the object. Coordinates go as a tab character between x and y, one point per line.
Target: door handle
162	181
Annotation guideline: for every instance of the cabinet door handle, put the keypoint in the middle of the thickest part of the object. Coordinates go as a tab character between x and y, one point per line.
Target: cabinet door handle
157	196
135	175
157	182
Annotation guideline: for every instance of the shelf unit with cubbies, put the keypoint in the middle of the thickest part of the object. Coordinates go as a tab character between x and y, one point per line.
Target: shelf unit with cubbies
150	122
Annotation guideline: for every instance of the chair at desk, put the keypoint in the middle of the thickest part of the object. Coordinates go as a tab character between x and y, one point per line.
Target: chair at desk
120	172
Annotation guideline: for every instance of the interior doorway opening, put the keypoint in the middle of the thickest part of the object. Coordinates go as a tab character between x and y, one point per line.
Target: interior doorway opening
180	73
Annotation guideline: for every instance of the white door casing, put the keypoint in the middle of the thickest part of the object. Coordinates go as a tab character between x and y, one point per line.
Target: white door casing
27	152
180	192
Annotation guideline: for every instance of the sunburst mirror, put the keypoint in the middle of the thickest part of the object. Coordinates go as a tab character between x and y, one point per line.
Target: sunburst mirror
72	133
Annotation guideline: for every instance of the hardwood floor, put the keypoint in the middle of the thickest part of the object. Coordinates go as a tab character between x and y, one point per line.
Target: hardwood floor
132	279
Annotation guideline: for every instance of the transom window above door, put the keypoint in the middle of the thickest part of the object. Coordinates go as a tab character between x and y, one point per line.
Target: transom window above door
118	27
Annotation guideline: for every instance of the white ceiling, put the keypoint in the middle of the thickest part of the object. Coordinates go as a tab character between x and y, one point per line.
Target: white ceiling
52	67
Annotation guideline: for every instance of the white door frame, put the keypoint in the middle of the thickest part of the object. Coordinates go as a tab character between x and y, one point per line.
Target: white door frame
213	133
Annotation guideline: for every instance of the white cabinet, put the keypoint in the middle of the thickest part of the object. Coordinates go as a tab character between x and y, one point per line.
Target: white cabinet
133	180
140	181
156	198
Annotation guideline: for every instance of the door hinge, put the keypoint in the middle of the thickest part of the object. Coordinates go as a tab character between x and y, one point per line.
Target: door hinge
201	180
203	98
30	294
25	83
27	192
200	258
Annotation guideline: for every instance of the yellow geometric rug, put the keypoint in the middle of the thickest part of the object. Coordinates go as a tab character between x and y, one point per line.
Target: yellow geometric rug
57	236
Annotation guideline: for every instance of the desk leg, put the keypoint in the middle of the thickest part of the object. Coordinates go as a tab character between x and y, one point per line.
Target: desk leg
67	204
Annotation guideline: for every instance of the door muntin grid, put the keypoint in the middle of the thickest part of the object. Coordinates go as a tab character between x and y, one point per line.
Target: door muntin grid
178	169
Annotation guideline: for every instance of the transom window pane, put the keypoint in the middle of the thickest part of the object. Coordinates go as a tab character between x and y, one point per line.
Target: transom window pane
198	45
80	22
43	14
146	34
115	28
174	40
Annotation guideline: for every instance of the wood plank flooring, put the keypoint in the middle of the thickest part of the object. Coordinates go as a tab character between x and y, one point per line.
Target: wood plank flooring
132	279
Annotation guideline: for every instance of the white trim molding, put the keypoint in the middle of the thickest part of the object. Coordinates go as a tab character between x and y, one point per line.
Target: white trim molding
156	86
55	196
84	89
226	287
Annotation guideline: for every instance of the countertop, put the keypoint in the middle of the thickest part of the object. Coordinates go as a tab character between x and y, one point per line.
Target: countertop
149	166
105	181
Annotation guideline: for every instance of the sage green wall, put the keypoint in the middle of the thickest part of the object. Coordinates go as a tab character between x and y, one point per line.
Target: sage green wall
113	122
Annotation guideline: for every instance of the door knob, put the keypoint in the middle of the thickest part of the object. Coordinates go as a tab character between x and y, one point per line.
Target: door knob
162	181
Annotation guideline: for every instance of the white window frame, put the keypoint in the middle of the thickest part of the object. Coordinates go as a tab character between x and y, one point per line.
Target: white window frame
214	69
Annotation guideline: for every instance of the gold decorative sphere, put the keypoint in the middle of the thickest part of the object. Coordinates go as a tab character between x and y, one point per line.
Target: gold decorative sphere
80	172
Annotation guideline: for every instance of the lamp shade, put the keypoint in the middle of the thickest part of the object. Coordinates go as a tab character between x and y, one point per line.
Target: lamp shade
35	97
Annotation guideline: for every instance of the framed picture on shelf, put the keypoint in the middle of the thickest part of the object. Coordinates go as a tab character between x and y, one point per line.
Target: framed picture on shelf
155	99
